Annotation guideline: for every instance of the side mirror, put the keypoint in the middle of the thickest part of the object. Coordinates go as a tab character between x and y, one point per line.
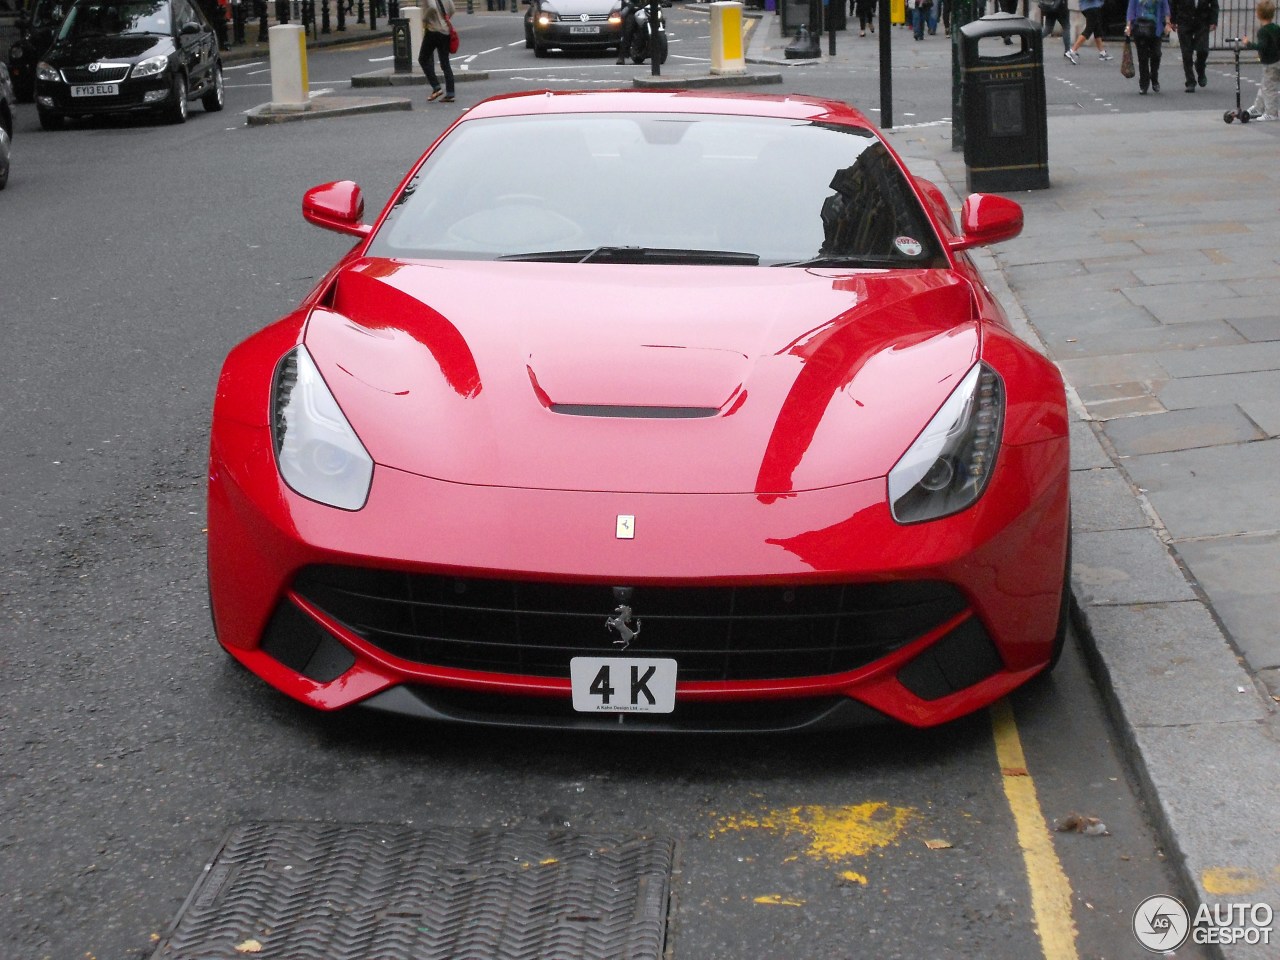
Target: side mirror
987	218
336	206
189	29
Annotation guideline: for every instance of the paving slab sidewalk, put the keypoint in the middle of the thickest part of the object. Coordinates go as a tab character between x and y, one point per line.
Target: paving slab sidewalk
1150	271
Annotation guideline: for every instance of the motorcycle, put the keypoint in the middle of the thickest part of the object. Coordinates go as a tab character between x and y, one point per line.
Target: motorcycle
646	37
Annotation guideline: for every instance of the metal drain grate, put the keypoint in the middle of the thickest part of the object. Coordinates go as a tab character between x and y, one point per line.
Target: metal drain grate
315	891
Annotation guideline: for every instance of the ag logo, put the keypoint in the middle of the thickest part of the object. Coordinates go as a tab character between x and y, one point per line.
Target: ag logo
1161	924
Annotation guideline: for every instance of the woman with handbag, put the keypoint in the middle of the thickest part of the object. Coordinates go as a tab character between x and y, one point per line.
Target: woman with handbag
436	30
1147	22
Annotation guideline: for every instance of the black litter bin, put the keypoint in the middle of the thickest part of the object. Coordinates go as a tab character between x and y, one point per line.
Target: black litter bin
1006	135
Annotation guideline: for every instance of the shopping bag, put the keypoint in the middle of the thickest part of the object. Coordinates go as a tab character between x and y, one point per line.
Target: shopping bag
1126	60
453	37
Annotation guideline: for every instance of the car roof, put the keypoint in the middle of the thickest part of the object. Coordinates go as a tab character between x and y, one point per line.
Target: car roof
785	107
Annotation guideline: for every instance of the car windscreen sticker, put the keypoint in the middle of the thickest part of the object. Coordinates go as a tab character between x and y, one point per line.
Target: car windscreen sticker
908	246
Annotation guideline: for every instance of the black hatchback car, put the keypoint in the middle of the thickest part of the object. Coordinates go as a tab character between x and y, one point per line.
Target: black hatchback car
117	56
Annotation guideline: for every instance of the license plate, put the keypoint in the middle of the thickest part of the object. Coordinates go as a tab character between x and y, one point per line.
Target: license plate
623	685
587	29
96	90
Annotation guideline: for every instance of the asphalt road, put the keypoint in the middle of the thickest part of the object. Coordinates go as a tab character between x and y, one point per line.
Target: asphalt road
132	257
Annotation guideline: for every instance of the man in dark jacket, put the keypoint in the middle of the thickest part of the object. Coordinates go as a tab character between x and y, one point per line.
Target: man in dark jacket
1194	20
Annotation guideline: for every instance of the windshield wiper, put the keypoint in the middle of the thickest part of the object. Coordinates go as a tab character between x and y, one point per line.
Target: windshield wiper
845	260
614	254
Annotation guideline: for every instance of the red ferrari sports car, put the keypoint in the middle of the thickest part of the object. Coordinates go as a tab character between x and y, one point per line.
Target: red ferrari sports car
748	447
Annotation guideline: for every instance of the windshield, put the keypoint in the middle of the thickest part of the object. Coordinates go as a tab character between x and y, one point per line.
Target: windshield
661	188
97	18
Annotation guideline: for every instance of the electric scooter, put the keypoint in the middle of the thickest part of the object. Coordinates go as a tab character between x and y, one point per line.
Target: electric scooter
1239	113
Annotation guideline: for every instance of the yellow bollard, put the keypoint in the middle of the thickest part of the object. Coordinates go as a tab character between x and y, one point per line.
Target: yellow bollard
898	12
727	56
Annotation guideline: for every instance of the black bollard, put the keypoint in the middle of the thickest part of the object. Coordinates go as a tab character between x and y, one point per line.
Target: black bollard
260	11
324	16
342	15
359	11
282	11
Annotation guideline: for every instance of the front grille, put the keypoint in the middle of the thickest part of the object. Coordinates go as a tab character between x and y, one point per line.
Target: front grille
101	75
573	18
713	633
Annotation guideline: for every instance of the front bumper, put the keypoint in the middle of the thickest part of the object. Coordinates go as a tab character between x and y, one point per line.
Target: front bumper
1004	556
562	34
147	93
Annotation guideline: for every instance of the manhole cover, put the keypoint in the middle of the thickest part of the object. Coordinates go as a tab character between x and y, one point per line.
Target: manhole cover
315	891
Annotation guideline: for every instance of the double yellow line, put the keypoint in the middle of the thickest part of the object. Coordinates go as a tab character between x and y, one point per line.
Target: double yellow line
1050	890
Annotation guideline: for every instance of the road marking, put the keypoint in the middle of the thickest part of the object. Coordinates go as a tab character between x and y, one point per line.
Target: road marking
243	66
1050	889
381	59
1231	881
493	50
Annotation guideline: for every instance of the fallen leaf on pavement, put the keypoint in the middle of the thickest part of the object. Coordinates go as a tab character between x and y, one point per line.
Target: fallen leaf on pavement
938	844
249	946
1077	823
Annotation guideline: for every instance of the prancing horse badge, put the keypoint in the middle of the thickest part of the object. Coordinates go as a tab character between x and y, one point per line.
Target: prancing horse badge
626	527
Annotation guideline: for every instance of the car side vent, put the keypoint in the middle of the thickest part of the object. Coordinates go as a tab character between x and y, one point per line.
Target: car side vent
635	413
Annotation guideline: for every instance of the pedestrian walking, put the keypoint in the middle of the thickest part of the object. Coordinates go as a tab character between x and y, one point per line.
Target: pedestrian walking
1267	43
922	15
1194	20
435	42
1146	23
1007	6
1092	10
1055	11
866	12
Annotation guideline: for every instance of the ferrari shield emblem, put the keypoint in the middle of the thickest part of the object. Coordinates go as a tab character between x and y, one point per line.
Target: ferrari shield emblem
626	527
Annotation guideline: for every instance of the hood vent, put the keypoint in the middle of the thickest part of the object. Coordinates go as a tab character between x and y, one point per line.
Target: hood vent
633	413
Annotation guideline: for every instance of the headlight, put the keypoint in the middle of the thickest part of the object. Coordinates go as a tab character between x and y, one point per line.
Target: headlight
948	466
318	453
46	72
17	51
150	66
547	15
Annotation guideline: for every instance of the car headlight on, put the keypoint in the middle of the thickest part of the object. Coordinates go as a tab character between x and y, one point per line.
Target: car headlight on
150	66
948	466
318	454
46	72
547	15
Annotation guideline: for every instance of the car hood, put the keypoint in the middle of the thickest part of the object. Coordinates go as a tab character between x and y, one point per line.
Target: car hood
683	379
123	48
